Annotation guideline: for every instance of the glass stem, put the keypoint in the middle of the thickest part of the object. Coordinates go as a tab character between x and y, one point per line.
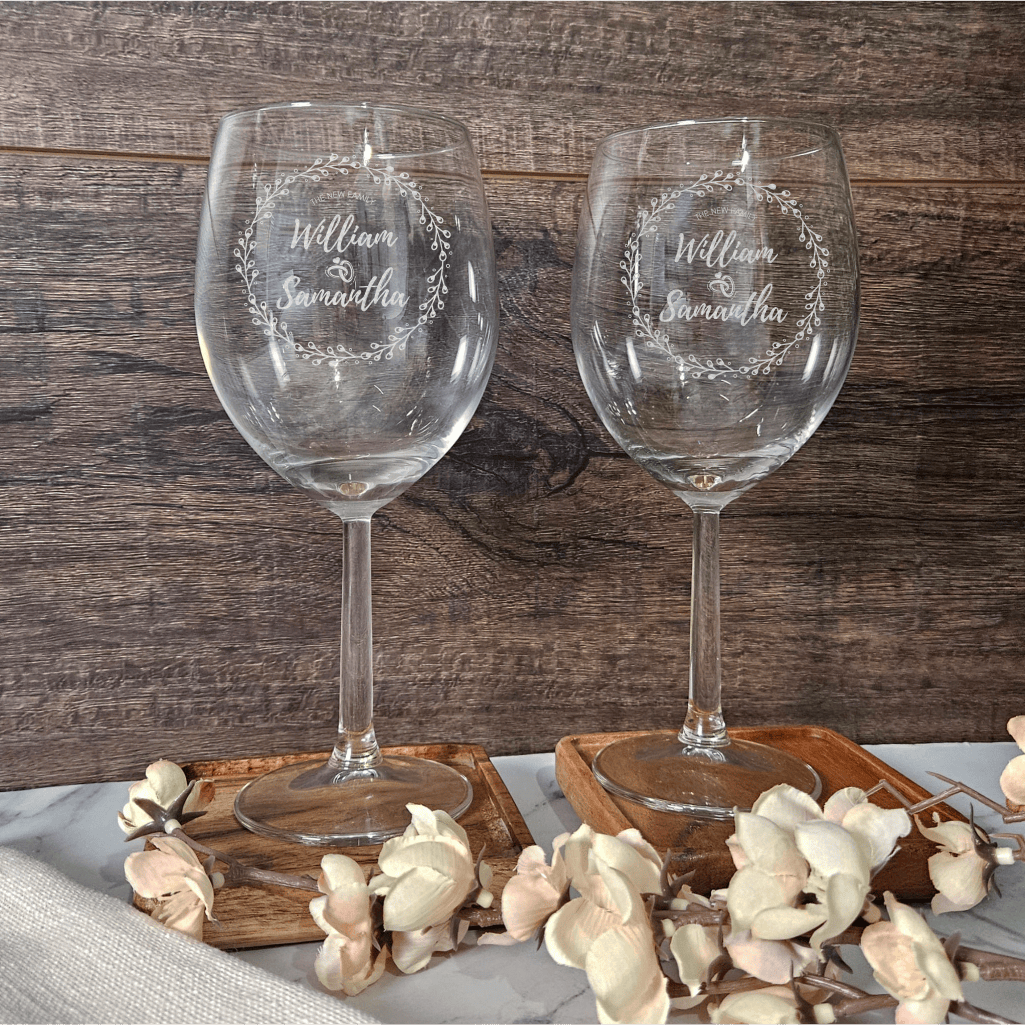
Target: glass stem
356	749
704	725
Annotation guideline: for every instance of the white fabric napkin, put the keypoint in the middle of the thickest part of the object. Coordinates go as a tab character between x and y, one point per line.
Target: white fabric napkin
71	955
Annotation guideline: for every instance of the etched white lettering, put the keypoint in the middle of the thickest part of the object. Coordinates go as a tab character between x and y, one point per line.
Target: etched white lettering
337	235
374	293
720	250
757	308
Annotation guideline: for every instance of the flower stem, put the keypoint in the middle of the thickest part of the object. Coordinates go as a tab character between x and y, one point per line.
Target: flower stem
243	875
1002	967
861	1005
240	874
973	1013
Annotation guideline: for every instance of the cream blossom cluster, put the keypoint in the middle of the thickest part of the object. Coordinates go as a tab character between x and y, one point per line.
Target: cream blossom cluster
609	930
426	876
346	960
605	930
803	870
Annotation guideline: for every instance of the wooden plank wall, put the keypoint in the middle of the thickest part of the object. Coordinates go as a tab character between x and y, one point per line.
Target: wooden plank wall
163	593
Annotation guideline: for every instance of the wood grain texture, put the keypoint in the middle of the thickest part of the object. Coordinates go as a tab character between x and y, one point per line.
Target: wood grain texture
538	83
162	592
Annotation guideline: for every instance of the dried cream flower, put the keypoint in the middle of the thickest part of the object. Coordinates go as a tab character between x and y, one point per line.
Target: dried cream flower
963	867
163	783
771	871
172	875
532	895
1012	779
786	847
345	960
428	872
605	931
910	963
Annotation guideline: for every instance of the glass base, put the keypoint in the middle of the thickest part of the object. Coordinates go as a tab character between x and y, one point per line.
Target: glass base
312	803
660	772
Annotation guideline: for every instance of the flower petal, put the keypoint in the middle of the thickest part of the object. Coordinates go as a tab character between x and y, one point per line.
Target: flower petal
771	848
420	898
1012	780
625	976
752	891
921	1012
634	857
573	928
786	806
444	854
840	803
411	951
844	898
576	857
773	961
328	965
162	870
340	872
183	913
436	823
759	1007
527	901
497	939
878	829
786	923
829	849
1016	727
694	947
953	837
166	781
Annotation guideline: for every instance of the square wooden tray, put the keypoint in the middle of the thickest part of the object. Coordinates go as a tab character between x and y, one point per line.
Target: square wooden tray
263	916
839	762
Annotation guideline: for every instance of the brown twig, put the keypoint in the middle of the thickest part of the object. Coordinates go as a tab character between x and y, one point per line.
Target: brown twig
863	1004
715	989
1001	809
244	875
240	874
706	916
993	967
973	1013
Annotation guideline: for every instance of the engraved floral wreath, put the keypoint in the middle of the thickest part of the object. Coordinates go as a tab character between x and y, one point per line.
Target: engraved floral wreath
703	366
277	329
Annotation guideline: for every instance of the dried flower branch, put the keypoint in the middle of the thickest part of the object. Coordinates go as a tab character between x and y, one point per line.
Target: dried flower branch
767	949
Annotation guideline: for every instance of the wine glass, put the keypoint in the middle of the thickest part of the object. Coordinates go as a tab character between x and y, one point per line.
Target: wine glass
715	311
347	314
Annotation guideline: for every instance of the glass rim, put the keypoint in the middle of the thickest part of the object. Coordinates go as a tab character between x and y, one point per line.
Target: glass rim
422	113
787	122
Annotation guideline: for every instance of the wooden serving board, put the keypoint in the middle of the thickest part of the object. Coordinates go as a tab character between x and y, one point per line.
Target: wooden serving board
263	916
701	843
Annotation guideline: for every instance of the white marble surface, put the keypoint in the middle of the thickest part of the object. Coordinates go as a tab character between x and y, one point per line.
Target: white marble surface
73	828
